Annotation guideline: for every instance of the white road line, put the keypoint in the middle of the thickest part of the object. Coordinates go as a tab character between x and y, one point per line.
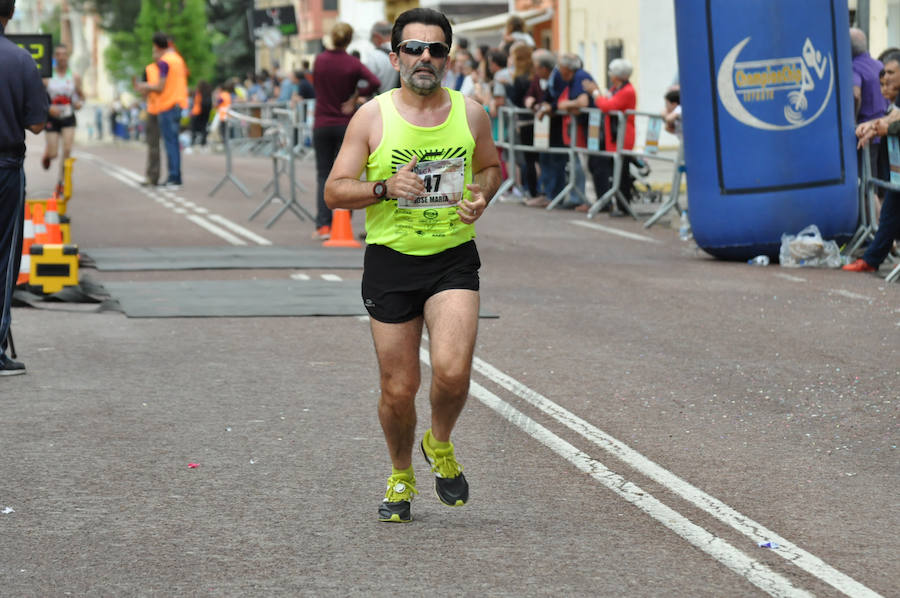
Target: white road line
754	571
614	231
165	197
237	228
850	295
332	277
753	530
220	232
300	276
789	277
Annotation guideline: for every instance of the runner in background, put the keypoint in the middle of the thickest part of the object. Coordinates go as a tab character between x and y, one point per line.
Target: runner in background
64	90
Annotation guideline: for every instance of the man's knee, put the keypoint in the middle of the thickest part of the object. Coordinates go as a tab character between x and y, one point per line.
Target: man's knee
451	375
397	390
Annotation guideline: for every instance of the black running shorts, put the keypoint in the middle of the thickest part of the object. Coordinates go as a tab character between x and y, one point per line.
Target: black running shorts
395	286
55	125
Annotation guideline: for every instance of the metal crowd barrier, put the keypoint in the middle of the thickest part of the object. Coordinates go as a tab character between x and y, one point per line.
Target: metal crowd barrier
868	222
677	167
510	121
278	131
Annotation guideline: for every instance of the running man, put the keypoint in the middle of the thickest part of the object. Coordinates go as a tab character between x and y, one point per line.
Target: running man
64	89
430	165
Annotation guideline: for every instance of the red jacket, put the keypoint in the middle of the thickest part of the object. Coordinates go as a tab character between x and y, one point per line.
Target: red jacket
623	98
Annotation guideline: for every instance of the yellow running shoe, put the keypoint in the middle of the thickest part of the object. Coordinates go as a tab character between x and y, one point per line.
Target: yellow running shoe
450	484
395	506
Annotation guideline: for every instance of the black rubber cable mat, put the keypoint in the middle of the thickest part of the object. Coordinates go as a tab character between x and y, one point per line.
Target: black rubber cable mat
238	298
220	258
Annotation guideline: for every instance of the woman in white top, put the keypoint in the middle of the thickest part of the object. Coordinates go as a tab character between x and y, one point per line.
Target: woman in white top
64	89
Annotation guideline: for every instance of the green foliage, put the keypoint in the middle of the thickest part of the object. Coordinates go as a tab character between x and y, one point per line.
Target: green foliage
115	15
233	47
53	25
185	20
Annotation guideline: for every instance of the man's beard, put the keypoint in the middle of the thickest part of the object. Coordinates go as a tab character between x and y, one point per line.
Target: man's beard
421	84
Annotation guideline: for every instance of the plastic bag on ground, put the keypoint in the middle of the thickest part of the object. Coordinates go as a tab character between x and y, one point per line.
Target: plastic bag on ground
807	249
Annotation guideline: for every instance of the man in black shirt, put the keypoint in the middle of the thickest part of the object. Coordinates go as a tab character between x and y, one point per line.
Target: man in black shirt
23	105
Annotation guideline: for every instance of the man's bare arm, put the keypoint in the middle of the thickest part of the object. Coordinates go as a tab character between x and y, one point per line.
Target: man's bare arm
343	189
36	128
486	162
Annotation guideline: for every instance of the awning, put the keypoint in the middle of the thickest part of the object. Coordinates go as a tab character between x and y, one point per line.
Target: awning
498	22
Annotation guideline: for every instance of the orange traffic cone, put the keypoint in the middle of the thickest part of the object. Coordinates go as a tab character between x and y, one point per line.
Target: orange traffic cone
27	241
341	231
40	225
51	218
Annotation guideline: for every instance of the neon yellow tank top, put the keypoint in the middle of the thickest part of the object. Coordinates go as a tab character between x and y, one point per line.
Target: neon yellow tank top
428	224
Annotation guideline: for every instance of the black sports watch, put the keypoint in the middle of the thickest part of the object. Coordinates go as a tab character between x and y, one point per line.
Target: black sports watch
380	189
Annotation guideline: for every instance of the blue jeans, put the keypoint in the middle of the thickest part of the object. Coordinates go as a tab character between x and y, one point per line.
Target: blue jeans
888	230
12	201
553	174
574	199
169	125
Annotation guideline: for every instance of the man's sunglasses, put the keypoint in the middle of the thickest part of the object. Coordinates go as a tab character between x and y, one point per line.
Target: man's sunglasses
415	47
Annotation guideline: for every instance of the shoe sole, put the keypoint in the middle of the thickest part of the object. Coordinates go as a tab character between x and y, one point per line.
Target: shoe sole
394	519
459	503
13	372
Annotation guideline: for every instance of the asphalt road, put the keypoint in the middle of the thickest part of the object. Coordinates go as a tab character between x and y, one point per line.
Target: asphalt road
641	418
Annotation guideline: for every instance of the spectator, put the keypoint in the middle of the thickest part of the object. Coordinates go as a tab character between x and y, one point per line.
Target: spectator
515	32
889	220
336	86
266	83
552	178
672	114
470	77
522	74
200	113
223	103
379	60
305	90
455	75
620	97
286	90
574	98
501	79
868	103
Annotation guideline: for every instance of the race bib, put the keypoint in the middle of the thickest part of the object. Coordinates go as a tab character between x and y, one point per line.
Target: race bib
444	182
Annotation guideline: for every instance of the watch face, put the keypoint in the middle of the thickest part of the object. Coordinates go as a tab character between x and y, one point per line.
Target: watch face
380	189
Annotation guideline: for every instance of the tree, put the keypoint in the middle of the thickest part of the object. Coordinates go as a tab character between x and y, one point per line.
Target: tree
234	48
115	15
184	20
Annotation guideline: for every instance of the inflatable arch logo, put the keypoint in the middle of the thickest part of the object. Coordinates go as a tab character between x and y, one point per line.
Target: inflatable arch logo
778	94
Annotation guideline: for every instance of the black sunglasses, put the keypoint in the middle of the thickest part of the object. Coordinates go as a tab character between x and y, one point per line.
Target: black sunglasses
415	47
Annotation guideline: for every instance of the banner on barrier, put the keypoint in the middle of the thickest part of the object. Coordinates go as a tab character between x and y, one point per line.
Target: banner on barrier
654	127
593	142
894	157
542	132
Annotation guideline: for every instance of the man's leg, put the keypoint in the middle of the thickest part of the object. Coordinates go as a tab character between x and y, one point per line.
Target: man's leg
152	174
168	125
397	350
51	149
888	230
452	320
68	141
11	221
